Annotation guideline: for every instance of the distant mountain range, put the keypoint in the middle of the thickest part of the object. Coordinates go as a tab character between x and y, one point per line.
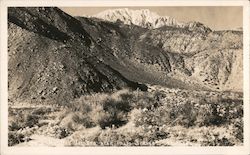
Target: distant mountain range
143	18
147	19
54	57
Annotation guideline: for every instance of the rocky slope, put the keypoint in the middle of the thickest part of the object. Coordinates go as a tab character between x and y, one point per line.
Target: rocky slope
184	55
210	58
51	60
120	49
55	57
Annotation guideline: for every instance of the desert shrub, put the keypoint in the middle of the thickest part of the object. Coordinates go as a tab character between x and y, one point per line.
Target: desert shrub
22	121
73	121
109	112
215	140
148	100
109	120
218	111
112	106
115	113
169	114
13	125
15	138
54	130
41	111
102	109
151	134
208	115
108	138
81	112
62	114
81	105
232	109
62	132
88	137
238	129
159	95
85	120
180	114
137	137
31	120
87	103
16	119
183	111
144	100
22	118
129	97
147	118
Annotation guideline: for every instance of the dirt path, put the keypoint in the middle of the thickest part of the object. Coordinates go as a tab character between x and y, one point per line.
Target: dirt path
42	141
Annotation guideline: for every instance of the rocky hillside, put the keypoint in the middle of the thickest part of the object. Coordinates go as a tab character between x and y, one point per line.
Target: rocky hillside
186	54
214	58
55	57
51	58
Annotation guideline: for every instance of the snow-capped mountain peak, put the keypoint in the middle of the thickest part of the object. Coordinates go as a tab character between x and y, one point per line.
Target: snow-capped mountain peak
144	18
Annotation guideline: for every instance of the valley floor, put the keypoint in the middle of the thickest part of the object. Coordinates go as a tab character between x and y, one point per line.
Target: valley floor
159	117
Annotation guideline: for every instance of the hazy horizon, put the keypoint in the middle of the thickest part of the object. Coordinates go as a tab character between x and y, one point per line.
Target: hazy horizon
216	17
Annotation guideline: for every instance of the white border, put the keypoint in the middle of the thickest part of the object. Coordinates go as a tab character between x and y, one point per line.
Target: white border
121	150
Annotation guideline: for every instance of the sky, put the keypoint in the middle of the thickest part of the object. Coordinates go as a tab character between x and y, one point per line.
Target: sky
216	17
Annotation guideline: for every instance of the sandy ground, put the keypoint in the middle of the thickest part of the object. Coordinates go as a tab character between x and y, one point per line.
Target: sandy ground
42	141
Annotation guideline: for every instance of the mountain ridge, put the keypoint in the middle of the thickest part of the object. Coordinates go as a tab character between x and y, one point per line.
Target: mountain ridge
55	57
147	19
46	67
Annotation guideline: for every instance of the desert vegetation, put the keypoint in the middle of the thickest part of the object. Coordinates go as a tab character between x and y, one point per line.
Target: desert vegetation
159	117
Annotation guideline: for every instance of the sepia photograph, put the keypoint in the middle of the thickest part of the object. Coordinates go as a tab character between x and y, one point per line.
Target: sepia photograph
126	76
